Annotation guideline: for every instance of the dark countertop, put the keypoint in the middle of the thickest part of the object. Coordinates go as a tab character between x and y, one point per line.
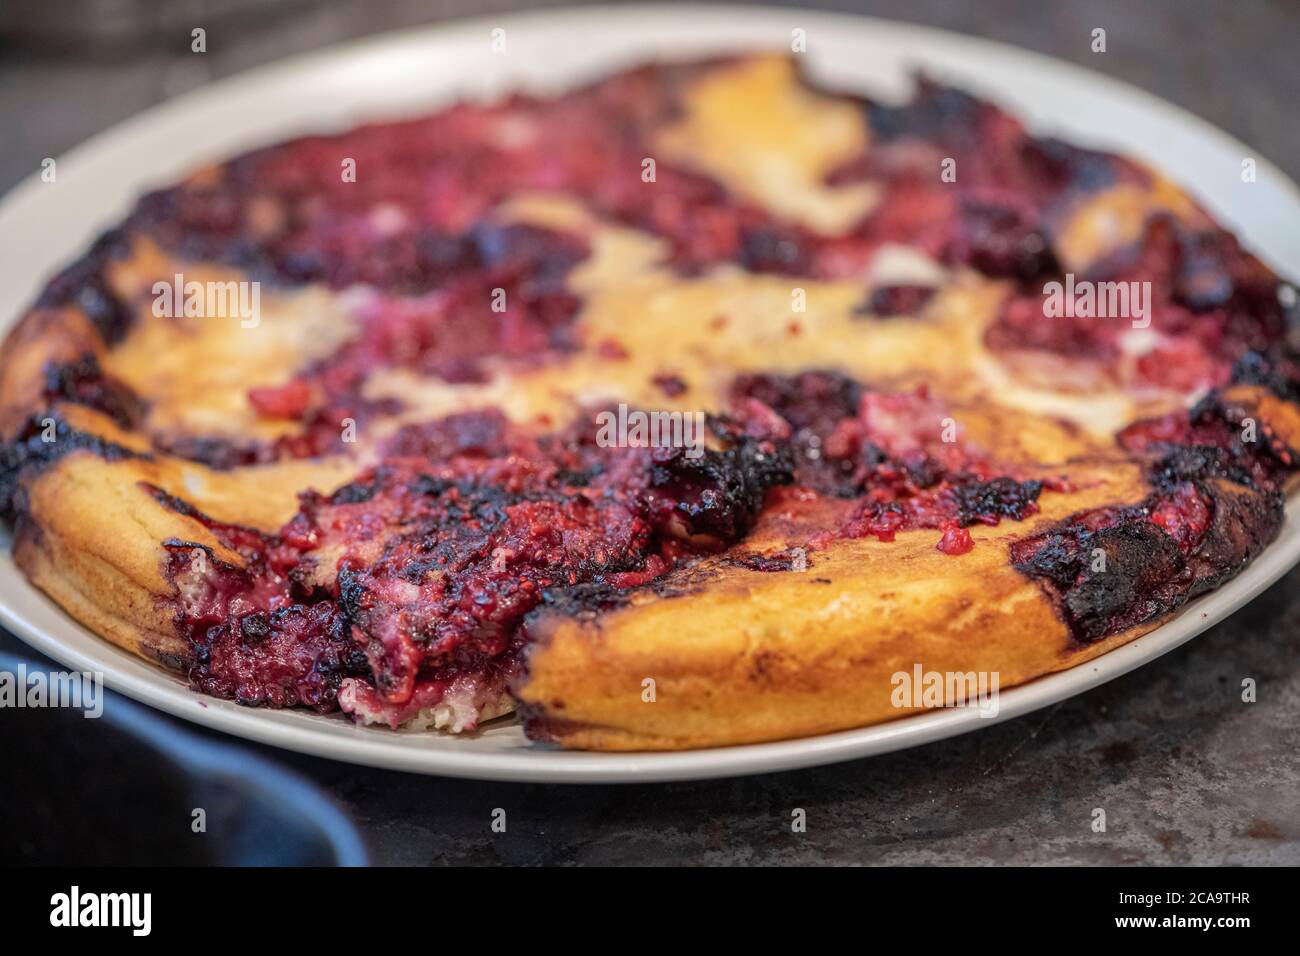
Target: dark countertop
1186	772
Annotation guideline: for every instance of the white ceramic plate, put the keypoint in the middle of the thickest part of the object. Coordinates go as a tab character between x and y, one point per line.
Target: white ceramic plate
44	225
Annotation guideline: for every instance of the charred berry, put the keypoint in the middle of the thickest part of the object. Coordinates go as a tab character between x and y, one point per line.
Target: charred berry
990	501
255	627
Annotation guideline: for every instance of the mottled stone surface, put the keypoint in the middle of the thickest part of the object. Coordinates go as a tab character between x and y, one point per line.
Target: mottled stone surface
1186	772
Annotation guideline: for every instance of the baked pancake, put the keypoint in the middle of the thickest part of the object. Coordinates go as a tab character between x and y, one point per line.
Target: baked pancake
688	408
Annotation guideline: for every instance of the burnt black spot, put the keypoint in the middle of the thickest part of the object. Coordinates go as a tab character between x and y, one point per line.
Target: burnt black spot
42	441
720	493
1196	463
1108	579
352	594
1114	569
170	501
584	600
430	485
255	627
1215	439
576	479
85	383
84	285
355	493
1244	522
989	502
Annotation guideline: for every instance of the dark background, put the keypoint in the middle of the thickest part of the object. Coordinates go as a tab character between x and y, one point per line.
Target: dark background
1185	771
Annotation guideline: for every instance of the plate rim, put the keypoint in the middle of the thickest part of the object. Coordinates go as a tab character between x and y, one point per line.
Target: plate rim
312	735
